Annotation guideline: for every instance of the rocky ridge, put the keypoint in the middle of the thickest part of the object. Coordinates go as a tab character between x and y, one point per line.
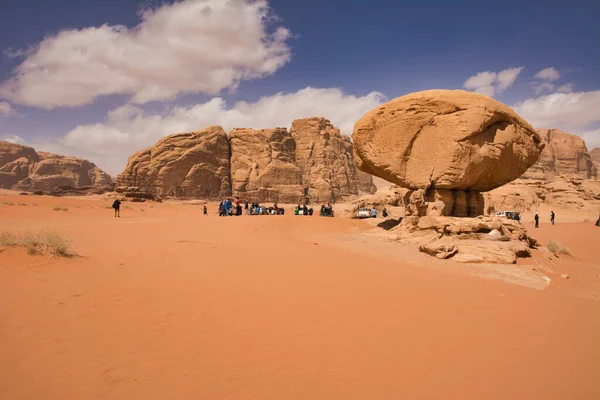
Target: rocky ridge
24	169
312	162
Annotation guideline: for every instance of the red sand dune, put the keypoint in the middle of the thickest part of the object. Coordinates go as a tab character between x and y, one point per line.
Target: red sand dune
167	303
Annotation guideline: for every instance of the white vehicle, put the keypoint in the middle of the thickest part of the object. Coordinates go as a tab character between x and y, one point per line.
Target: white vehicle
507	214
364	213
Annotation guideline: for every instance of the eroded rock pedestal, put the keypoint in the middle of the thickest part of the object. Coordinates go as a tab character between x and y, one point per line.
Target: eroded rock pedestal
457	203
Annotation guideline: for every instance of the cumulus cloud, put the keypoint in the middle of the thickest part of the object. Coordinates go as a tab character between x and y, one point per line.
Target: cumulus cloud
548	74
6	109
543	87
568	88
489	83
128	128
190	46
13	139
572	112
592	138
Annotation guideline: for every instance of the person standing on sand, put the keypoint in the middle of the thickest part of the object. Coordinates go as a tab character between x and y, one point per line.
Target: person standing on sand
552	215
246	207
537	220
598	221
204	210
117	206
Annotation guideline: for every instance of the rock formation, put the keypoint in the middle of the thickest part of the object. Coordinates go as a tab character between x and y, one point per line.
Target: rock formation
564	154
22	168
263	166
313	162
446	146
565	176
595	154
326	160
194	164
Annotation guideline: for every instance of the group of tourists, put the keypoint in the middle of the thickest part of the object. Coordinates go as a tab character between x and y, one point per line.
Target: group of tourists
228	208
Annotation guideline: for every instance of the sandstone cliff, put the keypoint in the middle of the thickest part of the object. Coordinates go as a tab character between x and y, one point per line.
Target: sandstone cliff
194	164
326	160
313	162
263	166
564	154
22	168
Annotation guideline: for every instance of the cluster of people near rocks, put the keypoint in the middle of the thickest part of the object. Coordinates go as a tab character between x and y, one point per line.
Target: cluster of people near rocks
228	207
536	218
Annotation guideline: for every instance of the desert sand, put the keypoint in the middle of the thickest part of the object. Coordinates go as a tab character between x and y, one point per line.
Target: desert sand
167	303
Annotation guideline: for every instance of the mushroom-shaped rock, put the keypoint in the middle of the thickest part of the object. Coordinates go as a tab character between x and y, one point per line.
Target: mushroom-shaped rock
445	140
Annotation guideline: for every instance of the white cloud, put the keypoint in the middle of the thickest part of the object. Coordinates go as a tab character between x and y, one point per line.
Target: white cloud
6	109
13	139
568	88
489	83
190	46
506	78
548	74
544	87
570	111
128	128
592	138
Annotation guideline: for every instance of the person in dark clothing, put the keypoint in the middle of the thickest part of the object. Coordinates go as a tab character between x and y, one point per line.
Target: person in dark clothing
117	206
518	217
205	210
246	207
384	212
552	215
598	221
537	220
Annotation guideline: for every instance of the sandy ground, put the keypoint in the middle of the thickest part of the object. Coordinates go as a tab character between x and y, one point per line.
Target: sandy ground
167	303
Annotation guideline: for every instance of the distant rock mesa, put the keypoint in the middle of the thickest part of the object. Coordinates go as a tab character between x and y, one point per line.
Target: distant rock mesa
22	168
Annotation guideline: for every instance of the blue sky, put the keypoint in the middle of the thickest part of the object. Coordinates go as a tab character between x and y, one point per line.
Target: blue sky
91	90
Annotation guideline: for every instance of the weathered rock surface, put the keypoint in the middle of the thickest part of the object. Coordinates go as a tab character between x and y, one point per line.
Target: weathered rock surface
564	154
445	139
263	166
595	154
565	176
457	203
22	168
326	160
469	240
194	164
313	162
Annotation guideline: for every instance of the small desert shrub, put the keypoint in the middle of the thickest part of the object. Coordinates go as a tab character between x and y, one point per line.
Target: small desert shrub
553	246
60	208
556	247
45	242
8	203
23	204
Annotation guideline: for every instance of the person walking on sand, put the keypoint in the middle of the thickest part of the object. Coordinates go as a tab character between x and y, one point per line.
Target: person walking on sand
552	215
204	210
598	221
117	206
537	220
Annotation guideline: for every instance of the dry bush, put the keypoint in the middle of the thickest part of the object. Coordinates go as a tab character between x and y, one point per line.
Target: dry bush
8	203
555	247
45	242
60	208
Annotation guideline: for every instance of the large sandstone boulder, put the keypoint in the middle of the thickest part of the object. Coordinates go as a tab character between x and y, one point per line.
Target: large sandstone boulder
263	166
564	155
595	154
445	139
194	164
326	160
447	146
22	168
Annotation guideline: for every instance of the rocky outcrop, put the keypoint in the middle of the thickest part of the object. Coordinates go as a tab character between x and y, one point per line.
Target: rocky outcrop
313	163
595	154
24	169
564	154
326	160
565	176
446	146
194	164
468	240
263	166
